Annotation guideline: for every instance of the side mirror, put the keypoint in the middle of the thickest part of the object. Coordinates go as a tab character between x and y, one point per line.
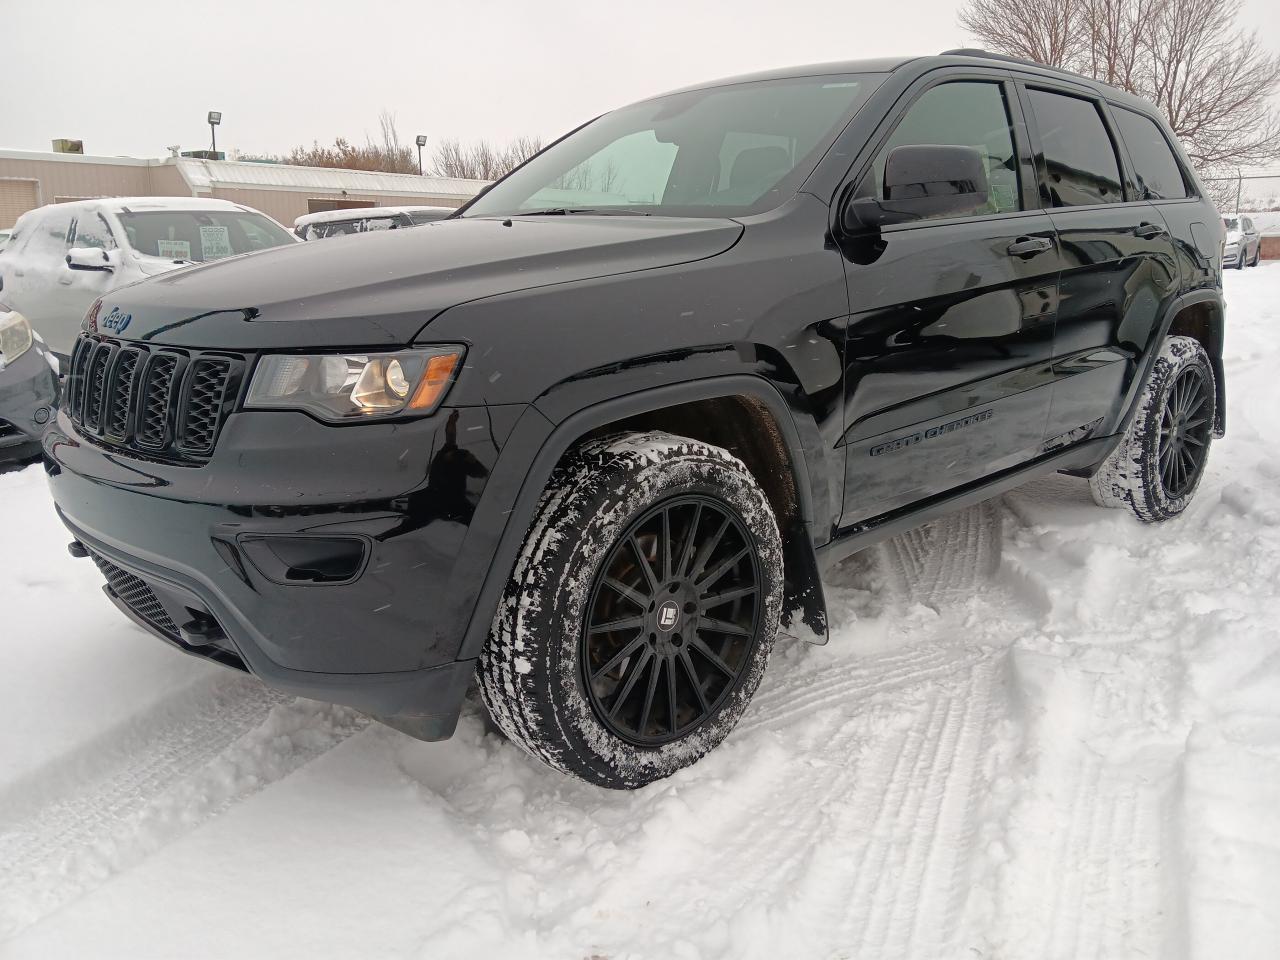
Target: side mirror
922	181
89	258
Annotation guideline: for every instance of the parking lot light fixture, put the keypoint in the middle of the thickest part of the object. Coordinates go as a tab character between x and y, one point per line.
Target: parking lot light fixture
215	118
422	142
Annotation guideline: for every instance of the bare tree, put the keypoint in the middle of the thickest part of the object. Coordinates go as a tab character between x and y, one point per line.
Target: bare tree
482	160
387	154
1039	30
1213	81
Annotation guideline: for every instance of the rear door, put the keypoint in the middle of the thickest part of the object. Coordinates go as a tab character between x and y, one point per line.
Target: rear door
948	347
1119	270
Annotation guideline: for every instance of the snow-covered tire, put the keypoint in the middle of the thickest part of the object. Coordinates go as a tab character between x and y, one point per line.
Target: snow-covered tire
1132	475
599	501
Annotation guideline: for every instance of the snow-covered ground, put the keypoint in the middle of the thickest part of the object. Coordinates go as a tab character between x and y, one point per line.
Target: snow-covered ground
1040	730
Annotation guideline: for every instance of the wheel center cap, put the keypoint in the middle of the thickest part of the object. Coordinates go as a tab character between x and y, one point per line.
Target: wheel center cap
668	617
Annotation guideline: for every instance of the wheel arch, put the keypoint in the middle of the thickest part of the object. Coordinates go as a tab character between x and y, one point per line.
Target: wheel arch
1201	315
713	410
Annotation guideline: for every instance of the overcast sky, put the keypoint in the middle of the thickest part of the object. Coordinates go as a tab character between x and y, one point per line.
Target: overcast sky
132	78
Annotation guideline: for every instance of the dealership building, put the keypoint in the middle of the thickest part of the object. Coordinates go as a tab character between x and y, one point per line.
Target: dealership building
31	179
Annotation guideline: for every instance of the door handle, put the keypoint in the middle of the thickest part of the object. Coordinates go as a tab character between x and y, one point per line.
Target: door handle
1149	231
1027	247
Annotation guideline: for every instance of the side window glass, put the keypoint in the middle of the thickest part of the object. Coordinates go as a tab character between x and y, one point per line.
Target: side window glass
966	114
50	237
92	231
1159	176
1079	164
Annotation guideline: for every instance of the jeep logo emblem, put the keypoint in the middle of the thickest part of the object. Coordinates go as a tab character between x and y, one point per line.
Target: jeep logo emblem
668	616
116	320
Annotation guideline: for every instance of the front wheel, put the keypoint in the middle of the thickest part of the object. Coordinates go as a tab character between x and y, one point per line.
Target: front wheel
1158	464
641	613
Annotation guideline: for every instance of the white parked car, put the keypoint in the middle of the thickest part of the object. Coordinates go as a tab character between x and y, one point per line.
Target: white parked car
338	223
61	257
1243	244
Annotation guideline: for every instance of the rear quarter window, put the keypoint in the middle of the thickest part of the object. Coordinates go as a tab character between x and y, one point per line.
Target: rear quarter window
1159	174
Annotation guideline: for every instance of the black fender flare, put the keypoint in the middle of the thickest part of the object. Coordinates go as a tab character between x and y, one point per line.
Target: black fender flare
536	445
1210	295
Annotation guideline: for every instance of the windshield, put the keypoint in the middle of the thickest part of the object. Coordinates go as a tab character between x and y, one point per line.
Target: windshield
1231	223
719	152
200	235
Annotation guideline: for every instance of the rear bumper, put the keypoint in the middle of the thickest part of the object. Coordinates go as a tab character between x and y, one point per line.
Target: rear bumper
182	551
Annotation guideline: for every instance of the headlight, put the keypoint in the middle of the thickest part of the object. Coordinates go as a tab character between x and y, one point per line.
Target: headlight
356	386
15	336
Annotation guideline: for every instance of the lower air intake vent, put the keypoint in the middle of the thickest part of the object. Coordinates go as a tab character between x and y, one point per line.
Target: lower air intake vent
136	595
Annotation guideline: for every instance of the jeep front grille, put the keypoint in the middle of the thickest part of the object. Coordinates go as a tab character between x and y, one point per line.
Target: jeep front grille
162	402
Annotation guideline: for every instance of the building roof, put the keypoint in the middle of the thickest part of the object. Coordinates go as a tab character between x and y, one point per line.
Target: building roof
204	174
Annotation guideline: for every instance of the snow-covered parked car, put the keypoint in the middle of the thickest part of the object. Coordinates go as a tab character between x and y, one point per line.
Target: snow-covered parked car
340	223
61	257
1243	244
28	386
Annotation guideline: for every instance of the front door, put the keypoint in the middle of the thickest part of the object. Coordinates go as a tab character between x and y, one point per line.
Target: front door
949	342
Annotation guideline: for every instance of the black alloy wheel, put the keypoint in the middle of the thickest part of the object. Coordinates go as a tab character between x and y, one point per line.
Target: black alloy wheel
1184	432
672	621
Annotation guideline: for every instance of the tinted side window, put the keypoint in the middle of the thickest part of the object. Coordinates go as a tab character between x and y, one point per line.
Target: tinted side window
1158	171
964	114
1079	165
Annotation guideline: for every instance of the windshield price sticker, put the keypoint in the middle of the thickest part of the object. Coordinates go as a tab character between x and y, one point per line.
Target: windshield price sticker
215	241
173	249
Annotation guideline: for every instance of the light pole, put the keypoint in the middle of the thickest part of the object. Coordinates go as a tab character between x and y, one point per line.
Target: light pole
422	142
215	118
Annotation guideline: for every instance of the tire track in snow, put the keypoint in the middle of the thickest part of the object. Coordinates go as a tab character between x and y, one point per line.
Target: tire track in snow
1089	876
905	894
1097	817
101	810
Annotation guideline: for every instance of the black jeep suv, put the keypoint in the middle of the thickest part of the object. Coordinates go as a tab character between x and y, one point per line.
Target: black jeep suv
594	438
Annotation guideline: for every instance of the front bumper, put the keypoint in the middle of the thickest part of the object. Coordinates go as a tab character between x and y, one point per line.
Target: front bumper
181	548
28	392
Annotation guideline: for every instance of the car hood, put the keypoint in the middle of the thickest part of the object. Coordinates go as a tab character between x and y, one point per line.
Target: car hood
379	289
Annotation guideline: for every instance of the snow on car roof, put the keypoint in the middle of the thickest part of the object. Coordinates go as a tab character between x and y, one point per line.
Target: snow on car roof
363	213
116	204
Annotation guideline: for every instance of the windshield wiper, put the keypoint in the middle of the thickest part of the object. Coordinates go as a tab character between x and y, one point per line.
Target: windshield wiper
596	211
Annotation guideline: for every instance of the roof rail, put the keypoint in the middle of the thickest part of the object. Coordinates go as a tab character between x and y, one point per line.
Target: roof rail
986	55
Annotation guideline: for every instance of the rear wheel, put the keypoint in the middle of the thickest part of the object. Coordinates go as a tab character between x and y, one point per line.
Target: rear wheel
639	618
1158	465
